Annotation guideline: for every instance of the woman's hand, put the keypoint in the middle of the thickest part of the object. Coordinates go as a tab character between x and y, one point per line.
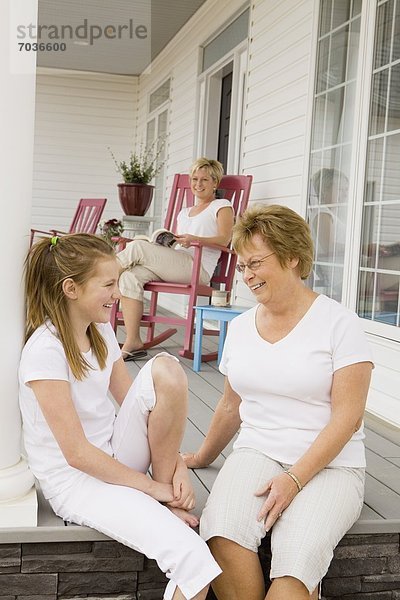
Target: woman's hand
185	239
193	461
280	491
182	487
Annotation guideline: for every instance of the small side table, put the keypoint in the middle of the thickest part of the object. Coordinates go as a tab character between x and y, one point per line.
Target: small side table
134	225
216	313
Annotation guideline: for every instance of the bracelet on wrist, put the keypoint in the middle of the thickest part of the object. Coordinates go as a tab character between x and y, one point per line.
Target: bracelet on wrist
295	479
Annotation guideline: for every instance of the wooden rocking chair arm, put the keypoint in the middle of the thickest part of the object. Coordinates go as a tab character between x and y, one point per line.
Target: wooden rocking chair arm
215	246
40	231
58	231
121	242
48	232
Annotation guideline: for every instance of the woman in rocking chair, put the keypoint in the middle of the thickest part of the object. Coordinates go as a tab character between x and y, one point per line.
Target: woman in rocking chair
210	220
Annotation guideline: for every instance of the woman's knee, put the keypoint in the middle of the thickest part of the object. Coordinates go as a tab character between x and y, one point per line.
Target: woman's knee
290	585
132	251
130	286
169	378
224	549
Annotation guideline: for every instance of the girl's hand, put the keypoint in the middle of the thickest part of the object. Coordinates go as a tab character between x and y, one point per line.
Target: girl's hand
280	491
163	492
183	490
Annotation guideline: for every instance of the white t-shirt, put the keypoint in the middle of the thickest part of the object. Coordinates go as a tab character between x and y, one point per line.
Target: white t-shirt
203	225
285	387
43	357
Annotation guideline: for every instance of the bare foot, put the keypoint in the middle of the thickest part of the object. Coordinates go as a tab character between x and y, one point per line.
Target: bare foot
185	516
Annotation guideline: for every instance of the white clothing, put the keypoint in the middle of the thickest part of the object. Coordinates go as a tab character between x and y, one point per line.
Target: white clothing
203	225
125	514
304	537
43	357
285	387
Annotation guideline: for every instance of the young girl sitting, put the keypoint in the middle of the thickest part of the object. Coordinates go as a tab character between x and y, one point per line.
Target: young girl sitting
91	464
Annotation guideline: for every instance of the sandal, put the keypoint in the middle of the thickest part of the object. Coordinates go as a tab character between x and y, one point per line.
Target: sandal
135	355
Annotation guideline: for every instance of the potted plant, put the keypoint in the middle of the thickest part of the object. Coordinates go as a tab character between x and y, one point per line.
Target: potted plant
136	192
111	229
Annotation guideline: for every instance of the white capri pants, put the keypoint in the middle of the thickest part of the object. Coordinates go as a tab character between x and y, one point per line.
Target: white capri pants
145	262
131	516
304	537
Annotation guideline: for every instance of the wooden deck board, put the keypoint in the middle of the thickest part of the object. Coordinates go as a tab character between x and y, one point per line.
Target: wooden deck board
383	470
381	498
380	445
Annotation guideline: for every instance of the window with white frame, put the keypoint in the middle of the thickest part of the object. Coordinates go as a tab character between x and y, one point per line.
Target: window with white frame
340	132
379	272
332	141
157	129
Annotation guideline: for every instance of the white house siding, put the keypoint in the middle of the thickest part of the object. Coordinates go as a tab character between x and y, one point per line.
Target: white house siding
384	397
77	116
180	60
276	118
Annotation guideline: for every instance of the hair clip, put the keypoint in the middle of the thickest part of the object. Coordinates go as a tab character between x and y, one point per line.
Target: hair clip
53	241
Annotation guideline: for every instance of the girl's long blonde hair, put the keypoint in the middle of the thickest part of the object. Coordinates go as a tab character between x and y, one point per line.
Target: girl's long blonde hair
49	262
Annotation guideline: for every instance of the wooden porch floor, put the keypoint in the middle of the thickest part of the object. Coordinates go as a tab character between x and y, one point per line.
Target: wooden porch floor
381	511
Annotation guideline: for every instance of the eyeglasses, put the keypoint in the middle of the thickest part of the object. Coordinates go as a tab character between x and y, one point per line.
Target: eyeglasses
253	265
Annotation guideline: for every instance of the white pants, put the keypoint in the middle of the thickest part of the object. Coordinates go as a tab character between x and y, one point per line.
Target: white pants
132	517
145	262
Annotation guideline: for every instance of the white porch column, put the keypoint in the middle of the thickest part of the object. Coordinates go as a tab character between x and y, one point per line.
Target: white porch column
18	506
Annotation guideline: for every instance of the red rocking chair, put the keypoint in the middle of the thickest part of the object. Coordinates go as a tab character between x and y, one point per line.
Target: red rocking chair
235	188
86	218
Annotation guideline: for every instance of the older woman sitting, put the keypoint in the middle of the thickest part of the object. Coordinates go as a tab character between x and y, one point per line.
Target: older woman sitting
297	369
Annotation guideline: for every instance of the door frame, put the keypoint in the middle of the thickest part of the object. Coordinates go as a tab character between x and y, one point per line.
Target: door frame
209	100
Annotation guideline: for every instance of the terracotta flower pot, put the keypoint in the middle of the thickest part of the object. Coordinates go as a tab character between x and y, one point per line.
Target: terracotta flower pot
135	198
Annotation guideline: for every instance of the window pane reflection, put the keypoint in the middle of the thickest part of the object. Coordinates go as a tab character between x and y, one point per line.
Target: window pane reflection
332	136
366	286
325	16
391	174
389	238
372	191
396	38
387	294
394	100
322	65
369	238
338	57
334	114
353	44
357	5
379	279
341	14
347	129
382	34
378	102
319	118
